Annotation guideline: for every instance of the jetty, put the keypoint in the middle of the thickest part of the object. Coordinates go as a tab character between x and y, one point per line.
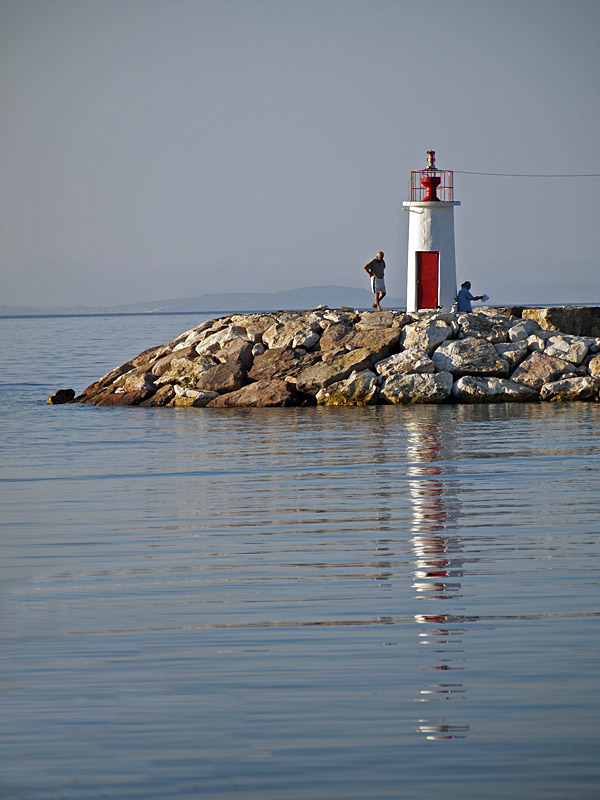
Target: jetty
345	356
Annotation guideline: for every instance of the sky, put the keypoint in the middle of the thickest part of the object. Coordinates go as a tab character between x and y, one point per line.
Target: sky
156	149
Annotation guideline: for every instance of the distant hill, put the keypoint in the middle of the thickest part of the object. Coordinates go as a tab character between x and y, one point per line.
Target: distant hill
308	297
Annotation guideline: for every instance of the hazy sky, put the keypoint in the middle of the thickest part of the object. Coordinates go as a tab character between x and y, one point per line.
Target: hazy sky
169	148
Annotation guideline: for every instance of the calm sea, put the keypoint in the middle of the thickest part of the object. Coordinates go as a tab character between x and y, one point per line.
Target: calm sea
290	604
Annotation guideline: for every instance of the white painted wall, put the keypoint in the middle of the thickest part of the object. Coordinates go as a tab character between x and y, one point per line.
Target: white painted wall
431	228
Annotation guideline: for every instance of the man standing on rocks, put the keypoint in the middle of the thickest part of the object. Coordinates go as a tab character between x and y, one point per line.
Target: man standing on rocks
375	269
464	297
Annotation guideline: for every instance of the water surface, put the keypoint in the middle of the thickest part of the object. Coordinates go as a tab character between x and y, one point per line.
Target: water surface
327	603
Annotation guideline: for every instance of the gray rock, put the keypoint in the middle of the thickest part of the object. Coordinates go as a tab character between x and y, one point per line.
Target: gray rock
411	360
186	372
535	343
594	367
568	348
514	352
569	389
425	335
190	398
337	367
359	389
493	328
348	318
522	329
416	388
295	332
470	356
539	369
306	339
254	324
472	389
215	341
195	335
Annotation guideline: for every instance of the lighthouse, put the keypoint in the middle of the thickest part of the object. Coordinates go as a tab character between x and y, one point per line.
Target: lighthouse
431	273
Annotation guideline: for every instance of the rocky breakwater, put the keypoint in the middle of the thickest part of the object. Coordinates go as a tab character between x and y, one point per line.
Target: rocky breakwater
348	357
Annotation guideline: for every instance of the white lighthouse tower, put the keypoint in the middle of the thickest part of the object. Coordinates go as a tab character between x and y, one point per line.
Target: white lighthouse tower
431	275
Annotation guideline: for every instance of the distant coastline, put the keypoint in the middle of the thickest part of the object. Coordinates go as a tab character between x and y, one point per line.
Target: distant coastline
227	302
242	303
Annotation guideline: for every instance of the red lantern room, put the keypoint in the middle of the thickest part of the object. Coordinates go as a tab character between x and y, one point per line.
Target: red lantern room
430	184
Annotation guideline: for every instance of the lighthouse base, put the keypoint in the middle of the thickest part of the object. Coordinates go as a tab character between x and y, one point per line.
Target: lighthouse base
431	272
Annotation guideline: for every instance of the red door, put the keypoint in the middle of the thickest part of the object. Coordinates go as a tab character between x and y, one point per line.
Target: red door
428	268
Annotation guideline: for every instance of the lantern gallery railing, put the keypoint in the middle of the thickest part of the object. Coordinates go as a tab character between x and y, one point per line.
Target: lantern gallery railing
431	185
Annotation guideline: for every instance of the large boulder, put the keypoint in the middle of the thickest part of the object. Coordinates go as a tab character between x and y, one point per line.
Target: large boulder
426	334
185	371
359	389
238	351
334	333
163	363
522	329
594	367
569	348
576	320
334	367
215	341
380	341
261	394
473	389
254	324
470	356
416	388
303	331
281	364
493	328
513	352
131	390
222	378
411	360
539	369
381	319
584	388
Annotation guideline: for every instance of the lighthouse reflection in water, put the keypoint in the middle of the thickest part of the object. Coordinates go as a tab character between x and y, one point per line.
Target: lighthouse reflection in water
437	572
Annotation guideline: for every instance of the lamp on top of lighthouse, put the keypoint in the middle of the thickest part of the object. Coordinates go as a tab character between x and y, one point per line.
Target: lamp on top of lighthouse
431	273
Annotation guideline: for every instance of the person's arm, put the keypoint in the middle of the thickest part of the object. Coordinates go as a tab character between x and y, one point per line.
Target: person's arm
367	268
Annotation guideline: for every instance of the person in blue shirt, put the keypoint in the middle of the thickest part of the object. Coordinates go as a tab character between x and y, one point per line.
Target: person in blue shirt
464	297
